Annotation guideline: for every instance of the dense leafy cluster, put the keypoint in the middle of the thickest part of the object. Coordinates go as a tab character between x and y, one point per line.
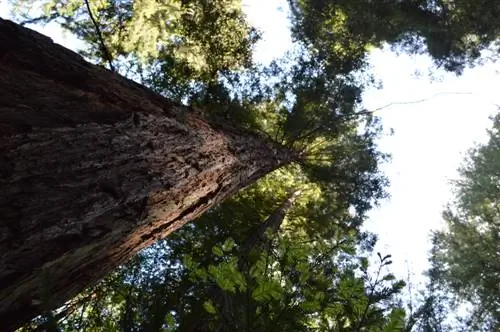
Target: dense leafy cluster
167	45
287	253
453	32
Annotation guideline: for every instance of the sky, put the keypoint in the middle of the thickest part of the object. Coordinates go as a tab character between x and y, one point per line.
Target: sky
430	138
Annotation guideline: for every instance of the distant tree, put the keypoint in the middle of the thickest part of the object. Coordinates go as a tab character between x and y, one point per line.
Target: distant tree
466	253
430	309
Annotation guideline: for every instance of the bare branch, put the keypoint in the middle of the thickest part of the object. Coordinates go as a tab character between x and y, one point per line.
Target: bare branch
99	35
415	101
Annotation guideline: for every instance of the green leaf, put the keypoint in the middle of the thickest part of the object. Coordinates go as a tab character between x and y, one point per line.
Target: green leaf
396	321
228	244
217	251
170	320
310	305
209	307
389	277
267	290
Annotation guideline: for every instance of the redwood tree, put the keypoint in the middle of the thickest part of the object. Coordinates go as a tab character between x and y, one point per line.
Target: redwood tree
95	167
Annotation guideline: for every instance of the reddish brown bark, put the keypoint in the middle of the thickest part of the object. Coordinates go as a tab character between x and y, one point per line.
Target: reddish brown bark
94	167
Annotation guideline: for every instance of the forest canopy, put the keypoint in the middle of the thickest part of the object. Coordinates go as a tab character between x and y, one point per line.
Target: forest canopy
286	253
464	257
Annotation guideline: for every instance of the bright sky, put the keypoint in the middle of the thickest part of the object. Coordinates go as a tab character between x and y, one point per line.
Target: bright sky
429	140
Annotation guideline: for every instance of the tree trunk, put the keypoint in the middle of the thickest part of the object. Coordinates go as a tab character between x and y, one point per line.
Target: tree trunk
272	224
94	167
259	240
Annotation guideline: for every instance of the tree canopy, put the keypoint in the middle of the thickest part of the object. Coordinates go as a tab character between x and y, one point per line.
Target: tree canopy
453	33
465	254
259	261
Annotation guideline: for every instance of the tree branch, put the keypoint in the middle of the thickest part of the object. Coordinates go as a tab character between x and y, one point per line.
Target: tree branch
413	101
107	55
38	19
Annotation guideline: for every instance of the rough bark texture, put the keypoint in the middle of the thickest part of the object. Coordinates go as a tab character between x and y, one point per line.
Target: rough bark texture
94	167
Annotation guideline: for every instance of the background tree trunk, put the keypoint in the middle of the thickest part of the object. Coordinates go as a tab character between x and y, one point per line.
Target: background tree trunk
94	167
220	297
272	224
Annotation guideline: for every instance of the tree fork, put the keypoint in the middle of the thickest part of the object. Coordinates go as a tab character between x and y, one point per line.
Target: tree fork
94	167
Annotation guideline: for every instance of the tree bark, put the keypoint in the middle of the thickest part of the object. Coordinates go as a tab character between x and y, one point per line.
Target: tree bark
272	224
94	167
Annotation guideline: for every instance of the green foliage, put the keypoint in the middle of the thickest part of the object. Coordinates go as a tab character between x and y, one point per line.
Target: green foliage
169	45
267	290
453	33
396	321
209	307
227	276
465	254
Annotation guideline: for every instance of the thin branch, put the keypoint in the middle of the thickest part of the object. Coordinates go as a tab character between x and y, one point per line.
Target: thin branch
370	298
319	258
99	35
414	101
80	320
308	135
38	19
313	147
410	289
301	135
298	134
